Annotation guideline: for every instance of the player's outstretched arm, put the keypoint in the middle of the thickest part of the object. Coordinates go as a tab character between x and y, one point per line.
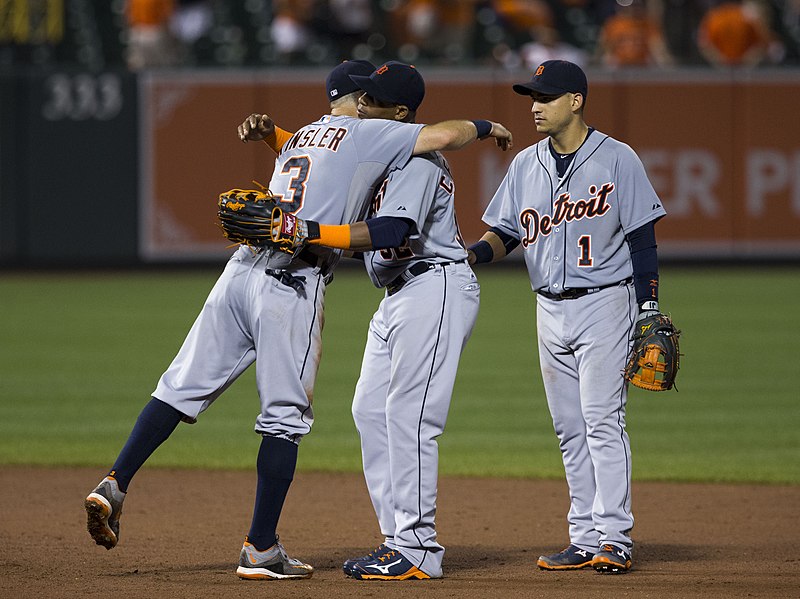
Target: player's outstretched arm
373	234
454	135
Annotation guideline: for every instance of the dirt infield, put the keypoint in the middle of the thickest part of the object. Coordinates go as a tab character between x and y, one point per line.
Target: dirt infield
182	531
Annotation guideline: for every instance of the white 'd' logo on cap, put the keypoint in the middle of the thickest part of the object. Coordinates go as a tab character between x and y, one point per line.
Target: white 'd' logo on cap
334	92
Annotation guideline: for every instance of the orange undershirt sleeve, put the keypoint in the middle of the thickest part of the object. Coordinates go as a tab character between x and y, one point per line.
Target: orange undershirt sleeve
277	138
333	236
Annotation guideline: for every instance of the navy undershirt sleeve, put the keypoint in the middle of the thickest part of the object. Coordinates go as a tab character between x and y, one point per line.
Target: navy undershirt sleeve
510	242
642	244
387	231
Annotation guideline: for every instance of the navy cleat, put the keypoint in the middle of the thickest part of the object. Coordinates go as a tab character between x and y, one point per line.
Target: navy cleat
347	567
571	558
611	560
391	565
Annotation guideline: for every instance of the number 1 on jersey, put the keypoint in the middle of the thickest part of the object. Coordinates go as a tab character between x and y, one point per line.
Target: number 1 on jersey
585	245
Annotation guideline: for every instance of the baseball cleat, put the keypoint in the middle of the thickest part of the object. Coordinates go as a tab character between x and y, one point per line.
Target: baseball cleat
103	509
611	560
571	558
270	564
389	565
347	567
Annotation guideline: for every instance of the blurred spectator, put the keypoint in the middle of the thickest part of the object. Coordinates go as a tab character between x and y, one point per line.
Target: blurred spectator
439	30
547	45
348	24
150	42
632	37
521	16
191	20
680	22
291	28
737	34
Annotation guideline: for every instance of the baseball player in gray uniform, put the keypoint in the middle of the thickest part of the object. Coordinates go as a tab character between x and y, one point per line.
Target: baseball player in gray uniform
414	340
584	211
413	249
269	306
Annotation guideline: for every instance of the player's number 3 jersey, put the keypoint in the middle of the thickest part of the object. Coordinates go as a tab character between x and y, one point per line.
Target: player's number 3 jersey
328	170
573	229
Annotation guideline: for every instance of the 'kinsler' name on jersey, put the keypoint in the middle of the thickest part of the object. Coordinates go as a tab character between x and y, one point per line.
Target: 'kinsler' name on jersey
564	210
327	138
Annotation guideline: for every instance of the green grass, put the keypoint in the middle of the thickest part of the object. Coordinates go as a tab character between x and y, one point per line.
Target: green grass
80	354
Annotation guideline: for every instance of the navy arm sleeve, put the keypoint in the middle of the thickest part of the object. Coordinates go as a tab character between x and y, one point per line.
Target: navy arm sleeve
509	241
387	231
642	243
483	251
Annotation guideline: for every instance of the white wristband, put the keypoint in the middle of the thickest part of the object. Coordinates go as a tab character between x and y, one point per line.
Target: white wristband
649	306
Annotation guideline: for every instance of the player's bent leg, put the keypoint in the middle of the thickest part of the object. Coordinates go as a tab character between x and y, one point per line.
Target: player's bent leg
215	352
103	505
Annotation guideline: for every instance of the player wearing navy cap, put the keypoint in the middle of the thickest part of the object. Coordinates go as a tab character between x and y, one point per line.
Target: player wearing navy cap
414	341
584	211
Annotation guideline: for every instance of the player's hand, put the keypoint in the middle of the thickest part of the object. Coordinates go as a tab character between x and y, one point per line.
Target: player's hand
502	136
256	127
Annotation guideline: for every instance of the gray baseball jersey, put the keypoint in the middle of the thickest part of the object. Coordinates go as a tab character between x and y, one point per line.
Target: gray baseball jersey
411	357
426	199
572	231
327	171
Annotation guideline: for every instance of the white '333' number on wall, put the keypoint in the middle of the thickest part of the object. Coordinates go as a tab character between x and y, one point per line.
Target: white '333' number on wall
82	97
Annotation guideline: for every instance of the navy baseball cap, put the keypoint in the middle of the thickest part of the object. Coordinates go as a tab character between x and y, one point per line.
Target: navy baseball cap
395	83
555	78
339	84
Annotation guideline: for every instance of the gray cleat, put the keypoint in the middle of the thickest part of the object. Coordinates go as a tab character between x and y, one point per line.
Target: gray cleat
271	564
103	508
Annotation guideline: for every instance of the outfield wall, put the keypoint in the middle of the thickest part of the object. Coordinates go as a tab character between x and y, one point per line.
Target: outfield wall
722	150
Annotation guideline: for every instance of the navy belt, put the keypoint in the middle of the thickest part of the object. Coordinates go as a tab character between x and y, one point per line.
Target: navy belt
581	291
414	271
309	257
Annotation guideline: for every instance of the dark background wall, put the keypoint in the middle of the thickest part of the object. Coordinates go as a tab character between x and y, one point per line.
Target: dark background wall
68	168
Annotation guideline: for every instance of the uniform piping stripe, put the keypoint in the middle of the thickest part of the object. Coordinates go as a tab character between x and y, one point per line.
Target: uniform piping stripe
308	347
621	428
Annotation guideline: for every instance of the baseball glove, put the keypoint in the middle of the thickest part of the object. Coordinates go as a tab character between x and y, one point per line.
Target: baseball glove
655	355
247	216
